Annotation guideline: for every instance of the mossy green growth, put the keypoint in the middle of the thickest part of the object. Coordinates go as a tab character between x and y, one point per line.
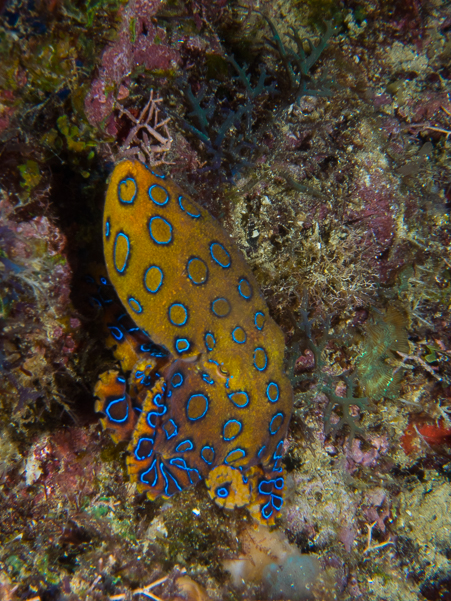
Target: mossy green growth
36	64
198	531
217	67
314	12
31	174
14	563
77	139
132	30
46	567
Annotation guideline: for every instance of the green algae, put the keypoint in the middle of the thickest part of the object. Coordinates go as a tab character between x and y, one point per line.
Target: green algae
31	177
376	368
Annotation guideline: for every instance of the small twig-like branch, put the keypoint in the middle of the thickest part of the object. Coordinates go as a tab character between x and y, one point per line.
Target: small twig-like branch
369	537
147	125
418	360
146	590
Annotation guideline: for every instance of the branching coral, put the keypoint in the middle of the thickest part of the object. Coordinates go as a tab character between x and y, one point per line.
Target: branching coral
298	63
321	380
227	133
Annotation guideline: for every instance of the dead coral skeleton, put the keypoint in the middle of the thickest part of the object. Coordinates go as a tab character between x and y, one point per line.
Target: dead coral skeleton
419	360
146	591
151	129
369	537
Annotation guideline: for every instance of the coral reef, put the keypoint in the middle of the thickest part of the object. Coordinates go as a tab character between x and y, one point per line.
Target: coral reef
40	330
327	158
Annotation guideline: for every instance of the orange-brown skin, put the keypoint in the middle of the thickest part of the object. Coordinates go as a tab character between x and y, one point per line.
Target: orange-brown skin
185	283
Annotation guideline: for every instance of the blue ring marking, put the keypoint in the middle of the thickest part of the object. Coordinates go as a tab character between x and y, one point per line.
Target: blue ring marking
277	502
227	262
151	468
182	345
121	235
207	378
188	442
169	394
159	397
193	215
103	295
161	280
152	349
108	409
207	448
222	492
189	275
107	228
179	325
277	466
175	430
239	392
241	283
220	298
210	341
179	382
243	454
120	379
194	419
116	333
89	279
255	319
280	414
234	336
134	305
230	421
278	452
273	392
279	483
95	302
180	463
104	281
160	204
127	179
261	451
151	220
267	511
149	417
166	488
265	487
260	348
140	458
157	174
